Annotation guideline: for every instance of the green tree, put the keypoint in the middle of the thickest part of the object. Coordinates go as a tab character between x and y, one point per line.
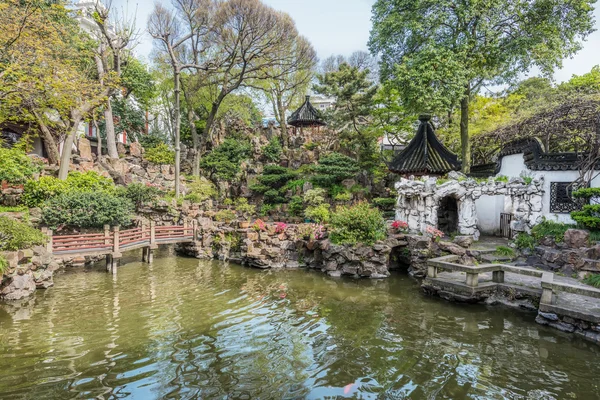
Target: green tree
351	116
438	53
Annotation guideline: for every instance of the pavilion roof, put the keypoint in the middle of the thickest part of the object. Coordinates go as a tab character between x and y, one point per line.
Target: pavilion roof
306	116
425	154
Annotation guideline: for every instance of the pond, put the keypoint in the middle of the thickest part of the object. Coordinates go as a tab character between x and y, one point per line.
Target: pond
184	328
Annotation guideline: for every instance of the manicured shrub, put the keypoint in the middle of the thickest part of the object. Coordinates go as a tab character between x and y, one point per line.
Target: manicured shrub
16	166
35	192
242	206
199	190
15	235
318	213
139	193
151	140
223	163
343	197
225	216
315	197
87	210
273	183
333	169
273	150
161	155
357	224
296	206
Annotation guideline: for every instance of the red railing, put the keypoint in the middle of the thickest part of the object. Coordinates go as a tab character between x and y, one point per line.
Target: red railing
112	241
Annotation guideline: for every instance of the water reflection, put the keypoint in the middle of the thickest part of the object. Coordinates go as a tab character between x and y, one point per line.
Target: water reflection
183	328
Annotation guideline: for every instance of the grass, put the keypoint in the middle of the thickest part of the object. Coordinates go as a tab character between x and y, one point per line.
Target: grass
505	251
593	280
5	209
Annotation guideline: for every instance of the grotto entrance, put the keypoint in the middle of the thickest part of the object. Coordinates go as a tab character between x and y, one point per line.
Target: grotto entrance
448	215
399	259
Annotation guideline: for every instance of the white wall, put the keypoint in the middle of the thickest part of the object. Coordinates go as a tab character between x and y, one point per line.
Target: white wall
489	209
514	165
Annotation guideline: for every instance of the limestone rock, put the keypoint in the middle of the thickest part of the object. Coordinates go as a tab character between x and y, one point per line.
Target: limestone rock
18	287
135	149
463	241
452	248
85	149
576	238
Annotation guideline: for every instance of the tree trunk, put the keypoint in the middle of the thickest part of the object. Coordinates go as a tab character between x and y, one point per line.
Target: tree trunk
210	121
65	158
464	132
99	137
177	90
194	131
282	122
49	141
111	139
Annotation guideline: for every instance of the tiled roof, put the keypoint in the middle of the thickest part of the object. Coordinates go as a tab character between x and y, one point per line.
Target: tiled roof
306	115
425	154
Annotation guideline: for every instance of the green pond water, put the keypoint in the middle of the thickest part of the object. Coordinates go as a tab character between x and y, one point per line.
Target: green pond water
184	328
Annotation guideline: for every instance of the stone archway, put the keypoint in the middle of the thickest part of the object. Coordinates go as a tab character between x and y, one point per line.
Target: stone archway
447	215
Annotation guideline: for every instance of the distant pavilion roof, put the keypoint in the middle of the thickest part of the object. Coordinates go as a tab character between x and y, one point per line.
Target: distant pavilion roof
425	154
306	116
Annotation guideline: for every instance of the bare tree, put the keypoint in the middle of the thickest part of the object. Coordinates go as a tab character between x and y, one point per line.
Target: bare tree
116	36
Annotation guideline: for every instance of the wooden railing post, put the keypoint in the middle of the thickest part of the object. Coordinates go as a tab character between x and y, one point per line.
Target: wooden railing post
107	235
185	227
194	229
116	240
152	233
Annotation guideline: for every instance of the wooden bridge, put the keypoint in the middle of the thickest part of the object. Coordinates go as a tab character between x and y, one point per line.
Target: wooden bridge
112	242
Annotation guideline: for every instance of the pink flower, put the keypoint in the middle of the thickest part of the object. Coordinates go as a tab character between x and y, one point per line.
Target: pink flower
280	227
259	225
435	233
399	225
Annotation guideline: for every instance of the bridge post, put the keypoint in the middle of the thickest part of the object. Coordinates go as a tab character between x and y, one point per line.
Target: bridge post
185	227
116	253
153	245
194	230
547	290
472	279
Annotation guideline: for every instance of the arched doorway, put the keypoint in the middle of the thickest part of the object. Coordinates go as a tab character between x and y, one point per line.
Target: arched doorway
448	215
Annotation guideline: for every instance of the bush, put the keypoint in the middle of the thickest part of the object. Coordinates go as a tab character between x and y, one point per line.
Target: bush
17	166
3	266
504	251
35	192
318	213
265	209
525	241
225	216
273	150
588	217
552	229
385	203
242	206
273	183
138	193
314	197
15	235
87	210
151	140
343	197
357	224
161	155
223	163
333	169
199	190
296	206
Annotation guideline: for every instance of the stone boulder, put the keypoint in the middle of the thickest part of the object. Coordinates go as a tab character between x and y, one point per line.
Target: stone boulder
464	241
18	287
452	248
135	150
576	238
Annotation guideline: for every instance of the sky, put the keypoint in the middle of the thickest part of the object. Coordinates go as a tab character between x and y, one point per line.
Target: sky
343	26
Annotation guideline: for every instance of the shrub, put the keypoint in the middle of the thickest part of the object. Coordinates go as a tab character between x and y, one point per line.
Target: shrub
272	183
296	206
138	193
151	140
3	265
501	178
223	163
586	193
343	197
17	166
357	224
334	168
552	229
318	213
593	280
265	209
87	210
35	192
242	206
225	216
588	217
295	184
385	203
273	150
525	241
161	155
315	197
199	190
15	235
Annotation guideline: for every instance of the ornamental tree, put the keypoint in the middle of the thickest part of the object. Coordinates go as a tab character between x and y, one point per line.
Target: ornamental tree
440	53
